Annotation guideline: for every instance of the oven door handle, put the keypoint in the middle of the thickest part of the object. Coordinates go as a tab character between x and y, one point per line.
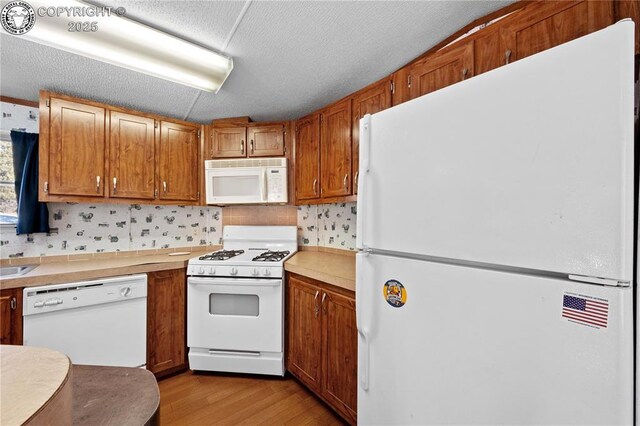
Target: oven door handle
235	282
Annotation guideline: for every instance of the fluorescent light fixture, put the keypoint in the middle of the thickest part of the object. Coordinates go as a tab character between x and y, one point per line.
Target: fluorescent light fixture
128	44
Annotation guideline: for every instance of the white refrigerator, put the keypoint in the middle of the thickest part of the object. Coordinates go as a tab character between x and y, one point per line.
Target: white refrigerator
495	236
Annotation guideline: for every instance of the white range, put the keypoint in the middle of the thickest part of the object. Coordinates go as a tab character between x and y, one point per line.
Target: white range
235	301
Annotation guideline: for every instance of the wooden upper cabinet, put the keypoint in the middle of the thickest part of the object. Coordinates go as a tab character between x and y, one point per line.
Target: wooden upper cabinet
307	163
548	24
441	69
76	149
166	321
400	80
178	171
228	142
335	146
488	51
131	156
340	348
369	101
266	141
304	352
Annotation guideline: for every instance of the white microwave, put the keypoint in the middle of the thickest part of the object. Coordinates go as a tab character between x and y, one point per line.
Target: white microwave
246	181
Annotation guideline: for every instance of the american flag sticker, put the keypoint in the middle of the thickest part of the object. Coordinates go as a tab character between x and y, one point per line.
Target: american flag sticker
585	310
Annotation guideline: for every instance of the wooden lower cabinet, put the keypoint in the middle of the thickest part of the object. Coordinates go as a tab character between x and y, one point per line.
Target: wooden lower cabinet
166	322
322	345
11	316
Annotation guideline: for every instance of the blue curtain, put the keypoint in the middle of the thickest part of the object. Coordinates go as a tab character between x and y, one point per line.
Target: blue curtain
33	216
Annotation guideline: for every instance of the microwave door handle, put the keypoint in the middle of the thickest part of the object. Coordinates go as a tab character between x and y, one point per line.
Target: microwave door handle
263	186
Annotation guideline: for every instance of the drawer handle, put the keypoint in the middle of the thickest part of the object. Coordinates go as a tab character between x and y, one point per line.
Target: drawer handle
507	57
324	308
242	146
251	146
98	184
115	185
315	187
344	181
465	71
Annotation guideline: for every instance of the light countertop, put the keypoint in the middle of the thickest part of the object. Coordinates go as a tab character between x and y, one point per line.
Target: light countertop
335	269
78	270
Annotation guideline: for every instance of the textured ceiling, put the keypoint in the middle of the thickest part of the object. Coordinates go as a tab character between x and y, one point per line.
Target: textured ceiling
290	57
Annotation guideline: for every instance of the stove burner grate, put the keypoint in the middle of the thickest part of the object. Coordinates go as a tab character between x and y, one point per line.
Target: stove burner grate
221	255
271	256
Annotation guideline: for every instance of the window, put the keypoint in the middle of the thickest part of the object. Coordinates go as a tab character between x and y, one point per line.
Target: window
8	199
20	116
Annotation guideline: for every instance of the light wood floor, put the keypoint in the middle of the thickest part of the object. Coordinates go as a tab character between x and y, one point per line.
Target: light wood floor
227	399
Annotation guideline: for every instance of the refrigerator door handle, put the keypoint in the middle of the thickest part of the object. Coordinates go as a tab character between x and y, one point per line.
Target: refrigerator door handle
363	330
363	362
365	149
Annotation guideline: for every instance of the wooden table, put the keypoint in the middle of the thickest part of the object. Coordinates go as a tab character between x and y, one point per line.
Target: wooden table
114	396
35	386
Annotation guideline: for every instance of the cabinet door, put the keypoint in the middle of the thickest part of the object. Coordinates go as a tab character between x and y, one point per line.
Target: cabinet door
131	156
229	142
76	149
308	158
266	141
304	332
340	348
370	101
166	321
11	317
548	24
178	162
441	69
335	149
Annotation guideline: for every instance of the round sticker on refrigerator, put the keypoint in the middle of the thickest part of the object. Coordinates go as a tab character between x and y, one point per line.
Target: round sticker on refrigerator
394	293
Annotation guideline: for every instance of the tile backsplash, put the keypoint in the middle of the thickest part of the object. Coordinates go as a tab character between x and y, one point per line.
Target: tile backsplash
327	225
97	228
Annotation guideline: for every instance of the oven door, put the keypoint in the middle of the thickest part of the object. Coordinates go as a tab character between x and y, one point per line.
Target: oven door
235	314
236	185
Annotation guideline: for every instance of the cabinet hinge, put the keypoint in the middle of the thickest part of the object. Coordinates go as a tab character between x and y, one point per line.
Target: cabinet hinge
409	81
47	103
393	87
46	187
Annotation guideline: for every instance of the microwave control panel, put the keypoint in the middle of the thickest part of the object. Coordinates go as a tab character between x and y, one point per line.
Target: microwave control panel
277	184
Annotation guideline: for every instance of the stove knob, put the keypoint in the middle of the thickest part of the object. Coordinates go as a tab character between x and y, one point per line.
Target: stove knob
212	271
234	271
256	272
38	304
201	270
267	272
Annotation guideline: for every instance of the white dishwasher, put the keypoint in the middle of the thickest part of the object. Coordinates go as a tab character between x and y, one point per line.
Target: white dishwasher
98	322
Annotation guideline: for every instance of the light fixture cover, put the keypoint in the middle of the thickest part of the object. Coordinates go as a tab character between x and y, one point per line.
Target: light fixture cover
129	44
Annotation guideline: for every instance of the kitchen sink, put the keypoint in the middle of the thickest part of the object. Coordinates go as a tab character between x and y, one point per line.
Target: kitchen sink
15	271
